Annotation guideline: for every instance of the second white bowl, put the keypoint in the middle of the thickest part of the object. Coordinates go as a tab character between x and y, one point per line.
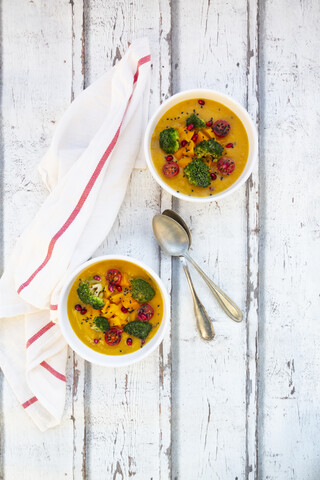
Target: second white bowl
98	358
228	102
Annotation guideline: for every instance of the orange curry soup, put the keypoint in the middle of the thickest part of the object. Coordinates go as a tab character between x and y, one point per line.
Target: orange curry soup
120	308
235	146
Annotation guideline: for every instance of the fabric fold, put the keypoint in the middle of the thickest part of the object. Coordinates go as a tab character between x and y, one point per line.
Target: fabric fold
86	169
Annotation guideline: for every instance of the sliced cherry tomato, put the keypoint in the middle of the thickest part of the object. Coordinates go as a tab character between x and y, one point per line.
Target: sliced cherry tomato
113	336
114	276
170	169
145	312
225	165
221	128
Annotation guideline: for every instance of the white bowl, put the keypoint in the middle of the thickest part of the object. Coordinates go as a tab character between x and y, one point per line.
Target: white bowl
99	358
228	102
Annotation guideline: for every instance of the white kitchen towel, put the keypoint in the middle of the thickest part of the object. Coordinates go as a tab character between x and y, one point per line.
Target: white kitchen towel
87	169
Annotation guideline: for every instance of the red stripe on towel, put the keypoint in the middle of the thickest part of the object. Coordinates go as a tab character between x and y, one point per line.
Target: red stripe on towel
53	371
142	61
39	333
86	191
29	402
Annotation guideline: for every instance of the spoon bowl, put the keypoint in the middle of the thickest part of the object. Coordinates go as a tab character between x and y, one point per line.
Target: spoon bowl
170	235
178	219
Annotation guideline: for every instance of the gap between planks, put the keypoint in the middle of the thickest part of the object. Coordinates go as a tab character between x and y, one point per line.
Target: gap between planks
80	368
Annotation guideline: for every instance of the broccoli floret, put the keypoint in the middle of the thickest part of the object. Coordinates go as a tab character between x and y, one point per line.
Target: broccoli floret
138	329
209	148
195	121
198	173
89	292
169	140
141	290
100	324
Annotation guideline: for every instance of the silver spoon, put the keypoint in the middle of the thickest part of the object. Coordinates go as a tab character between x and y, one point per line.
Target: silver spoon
203	322
174	240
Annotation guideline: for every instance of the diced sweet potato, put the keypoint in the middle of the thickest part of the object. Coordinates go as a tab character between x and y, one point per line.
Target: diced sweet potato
113	309
117	298
122	315
187	151
125	283
201	136
179	153
115	321
185	134
129	303
106	305
184	161
107	293
208	132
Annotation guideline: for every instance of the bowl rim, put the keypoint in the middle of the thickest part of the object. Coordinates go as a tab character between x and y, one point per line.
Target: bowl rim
228	102
98	358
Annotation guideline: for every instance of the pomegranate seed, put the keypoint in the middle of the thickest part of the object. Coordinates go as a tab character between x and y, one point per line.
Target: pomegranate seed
213	176
111	288
119	288
97	277
143	342
169	158
229	145
78	307
143	316
201	102
209	123
124	310
83	311
184	143
190	127
96	340
129	341
194	138
211	188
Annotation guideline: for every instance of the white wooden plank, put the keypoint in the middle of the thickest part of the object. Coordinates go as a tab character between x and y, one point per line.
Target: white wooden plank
37	71
289	443
131	435
253	224
209	394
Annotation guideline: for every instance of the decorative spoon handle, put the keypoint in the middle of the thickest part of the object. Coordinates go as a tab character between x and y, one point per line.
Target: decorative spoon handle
203	322
226	303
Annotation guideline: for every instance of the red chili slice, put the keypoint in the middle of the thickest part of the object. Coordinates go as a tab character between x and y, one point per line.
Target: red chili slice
114	276
225	165
113	336
221	128
170	169
145	312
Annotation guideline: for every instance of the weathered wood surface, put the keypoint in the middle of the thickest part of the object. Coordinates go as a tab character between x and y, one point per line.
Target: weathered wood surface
247	405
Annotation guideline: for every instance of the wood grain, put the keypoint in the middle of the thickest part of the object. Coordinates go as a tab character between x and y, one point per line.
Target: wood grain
130	407
253	249
37	74
209	388
290	388
245	406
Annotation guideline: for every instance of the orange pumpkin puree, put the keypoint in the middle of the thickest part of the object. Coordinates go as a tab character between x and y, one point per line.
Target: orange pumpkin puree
176	117
82	323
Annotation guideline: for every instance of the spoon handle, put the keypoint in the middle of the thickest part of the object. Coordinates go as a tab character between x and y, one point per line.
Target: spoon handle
203	322
226	303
